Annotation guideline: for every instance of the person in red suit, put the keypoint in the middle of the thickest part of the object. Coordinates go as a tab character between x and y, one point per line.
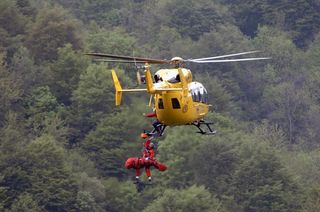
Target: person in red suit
138	163
157	125
148	147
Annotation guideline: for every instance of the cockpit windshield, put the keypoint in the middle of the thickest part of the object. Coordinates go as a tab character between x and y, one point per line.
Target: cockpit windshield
172	77
198	92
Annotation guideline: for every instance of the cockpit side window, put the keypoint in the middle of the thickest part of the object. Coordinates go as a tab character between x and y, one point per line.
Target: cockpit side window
175	79
205	99
178	78
156	78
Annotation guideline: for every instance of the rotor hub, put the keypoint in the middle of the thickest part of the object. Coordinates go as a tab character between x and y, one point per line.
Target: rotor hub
177	61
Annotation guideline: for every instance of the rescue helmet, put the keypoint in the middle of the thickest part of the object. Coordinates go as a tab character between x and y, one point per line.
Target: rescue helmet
143	135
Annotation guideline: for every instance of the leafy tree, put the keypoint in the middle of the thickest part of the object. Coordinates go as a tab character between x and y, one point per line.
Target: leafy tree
262	184
25	203
13	181
65	73
81	163
183	140
121	196
141	16
12	20
303	165
94	94
163	41
194	18
288	75
115	41
52	183
42	111
26	8
11	92
220	41
214	163
193	198
93	99
85	202
12	26
287	104
24	70
91	195
300	18
313	52
286	58
40	170
53	28
312	203
313	66
218	96
107	144
12	134
272	134
100	11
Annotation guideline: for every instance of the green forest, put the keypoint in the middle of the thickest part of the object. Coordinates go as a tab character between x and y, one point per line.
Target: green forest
63	142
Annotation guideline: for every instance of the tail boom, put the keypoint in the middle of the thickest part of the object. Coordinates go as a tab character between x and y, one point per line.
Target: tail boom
119	90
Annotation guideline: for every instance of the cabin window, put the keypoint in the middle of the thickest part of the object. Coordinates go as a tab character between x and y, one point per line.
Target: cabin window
174	79
160	104
175	103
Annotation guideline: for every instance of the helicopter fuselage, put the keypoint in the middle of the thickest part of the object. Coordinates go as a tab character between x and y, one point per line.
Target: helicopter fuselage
173	109
179	107
177	99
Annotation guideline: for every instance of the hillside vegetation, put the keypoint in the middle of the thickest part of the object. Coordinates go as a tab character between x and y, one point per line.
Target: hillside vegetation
63	143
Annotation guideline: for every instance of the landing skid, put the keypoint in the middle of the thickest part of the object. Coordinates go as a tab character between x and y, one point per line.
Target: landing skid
203	132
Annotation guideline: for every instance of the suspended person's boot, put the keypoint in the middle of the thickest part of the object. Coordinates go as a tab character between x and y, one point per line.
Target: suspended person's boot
137	180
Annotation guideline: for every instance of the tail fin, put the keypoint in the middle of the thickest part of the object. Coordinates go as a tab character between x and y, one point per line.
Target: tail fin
118	88
149	82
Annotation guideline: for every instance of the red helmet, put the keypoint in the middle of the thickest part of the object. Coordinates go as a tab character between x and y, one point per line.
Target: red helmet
130	163
143	135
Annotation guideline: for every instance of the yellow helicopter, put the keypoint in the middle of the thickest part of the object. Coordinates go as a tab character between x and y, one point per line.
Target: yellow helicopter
178	100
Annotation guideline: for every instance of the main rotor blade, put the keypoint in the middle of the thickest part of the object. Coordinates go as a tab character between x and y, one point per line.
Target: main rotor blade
149	60
229	60
227	55
122	61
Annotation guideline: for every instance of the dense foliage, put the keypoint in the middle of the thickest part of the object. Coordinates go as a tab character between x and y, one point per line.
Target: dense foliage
63	142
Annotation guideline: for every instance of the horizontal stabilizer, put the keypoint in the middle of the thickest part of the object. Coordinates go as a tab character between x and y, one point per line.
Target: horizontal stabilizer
134	90
168	89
